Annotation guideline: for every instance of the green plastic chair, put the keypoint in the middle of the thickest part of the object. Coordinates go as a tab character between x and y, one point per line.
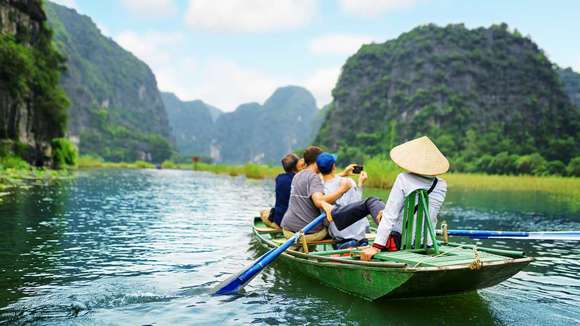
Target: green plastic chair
416	216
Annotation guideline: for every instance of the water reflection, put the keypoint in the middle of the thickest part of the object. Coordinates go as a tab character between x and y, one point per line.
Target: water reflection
306	300
33	225
146	247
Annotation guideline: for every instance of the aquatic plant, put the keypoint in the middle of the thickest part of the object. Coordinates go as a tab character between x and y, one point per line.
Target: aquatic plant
64	153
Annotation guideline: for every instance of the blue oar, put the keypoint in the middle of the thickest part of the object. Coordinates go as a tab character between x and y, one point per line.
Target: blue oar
239	280
486	234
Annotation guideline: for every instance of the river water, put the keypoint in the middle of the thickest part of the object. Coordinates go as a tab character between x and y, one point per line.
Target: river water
145	247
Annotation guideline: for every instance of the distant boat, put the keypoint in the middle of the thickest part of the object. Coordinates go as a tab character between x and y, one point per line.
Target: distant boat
401	274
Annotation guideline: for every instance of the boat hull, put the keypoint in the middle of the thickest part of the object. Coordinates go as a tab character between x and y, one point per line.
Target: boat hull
374	283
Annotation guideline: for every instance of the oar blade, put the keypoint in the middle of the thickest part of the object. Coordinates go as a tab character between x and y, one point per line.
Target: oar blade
235	283
230	286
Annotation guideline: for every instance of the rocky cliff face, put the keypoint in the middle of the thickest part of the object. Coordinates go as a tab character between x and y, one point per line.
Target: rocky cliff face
192	123
252	133
475	92
32	106
116	108
571	82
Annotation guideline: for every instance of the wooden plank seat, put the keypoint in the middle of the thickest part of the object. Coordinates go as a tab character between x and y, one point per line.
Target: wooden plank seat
266	229
279	241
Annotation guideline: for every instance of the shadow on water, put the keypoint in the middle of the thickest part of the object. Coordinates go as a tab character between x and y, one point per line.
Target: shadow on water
307	300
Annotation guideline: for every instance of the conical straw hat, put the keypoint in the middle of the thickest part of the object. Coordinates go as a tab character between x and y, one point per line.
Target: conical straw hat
420	156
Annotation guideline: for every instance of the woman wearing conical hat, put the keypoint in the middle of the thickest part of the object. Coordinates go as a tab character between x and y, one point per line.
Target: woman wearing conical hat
423	162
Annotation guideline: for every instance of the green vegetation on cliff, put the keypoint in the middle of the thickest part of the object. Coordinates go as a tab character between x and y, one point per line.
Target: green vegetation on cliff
488	97
33	107
32	73
116	108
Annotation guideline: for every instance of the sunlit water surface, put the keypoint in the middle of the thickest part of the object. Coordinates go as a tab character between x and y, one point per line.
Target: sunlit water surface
116	247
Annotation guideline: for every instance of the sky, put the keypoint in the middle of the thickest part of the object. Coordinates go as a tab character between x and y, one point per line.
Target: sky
229	52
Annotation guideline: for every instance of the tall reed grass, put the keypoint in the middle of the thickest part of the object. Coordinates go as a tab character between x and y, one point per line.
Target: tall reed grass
91	162
382	174
250	170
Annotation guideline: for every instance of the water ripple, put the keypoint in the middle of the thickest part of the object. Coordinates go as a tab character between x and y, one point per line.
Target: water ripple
146	247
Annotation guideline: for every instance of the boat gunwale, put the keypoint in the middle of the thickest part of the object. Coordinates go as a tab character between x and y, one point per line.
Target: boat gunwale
390	267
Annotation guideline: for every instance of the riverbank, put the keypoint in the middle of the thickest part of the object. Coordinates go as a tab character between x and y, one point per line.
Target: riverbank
382	174
22	178
90	162
253	171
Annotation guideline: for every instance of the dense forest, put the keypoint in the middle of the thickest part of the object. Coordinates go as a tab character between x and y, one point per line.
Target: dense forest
33	107
488	97
116	108
256	133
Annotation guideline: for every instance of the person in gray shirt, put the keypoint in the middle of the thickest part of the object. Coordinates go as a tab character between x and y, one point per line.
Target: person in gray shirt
307	198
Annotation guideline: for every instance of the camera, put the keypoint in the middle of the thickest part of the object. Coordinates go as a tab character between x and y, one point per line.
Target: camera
357	169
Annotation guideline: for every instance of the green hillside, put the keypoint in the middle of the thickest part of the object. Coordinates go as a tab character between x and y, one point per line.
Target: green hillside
192	123
488	97
116	109
33	107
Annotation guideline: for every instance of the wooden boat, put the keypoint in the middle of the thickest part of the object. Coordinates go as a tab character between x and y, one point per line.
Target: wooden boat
402	274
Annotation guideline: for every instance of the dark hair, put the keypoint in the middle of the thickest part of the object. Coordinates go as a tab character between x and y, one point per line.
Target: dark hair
289	162
326	172
311	154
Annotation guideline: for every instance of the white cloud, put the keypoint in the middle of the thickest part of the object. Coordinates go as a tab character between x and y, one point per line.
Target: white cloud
341	44
164	55
67	3
151	8
249	15
373	8
226	84
321	83
150	46
577	66
219	81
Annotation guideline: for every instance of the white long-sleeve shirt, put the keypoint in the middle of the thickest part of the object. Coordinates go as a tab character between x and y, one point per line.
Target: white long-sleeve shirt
405	184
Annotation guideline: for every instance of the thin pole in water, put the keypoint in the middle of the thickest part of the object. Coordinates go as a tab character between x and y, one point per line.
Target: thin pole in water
488	234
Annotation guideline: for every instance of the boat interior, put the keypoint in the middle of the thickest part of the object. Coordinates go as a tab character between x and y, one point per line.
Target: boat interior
448	254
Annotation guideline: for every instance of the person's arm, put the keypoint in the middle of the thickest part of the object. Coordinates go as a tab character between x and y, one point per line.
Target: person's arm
391	216
316	194
334	196
348	170
319	202
362	179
